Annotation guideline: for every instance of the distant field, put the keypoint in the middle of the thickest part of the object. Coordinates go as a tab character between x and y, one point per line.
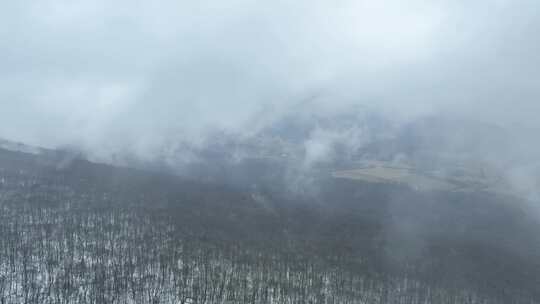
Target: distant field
395	175
463	181
449	178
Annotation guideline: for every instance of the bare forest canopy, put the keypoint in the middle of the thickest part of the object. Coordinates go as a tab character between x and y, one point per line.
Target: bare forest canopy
269	152
91	233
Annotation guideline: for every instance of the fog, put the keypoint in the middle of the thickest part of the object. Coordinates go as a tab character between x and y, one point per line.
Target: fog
103	76
241	151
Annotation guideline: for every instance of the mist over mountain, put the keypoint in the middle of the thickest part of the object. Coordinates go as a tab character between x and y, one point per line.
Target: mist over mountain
312	139
259	218
237	151
107	76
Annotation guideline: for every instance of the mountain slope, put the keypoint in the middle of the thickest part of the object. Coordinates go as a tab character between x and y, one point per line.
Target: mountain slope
168	238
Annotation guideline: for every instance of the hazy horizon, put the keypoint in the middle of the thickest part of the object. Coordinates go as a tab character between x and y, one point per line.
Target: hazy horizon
99	74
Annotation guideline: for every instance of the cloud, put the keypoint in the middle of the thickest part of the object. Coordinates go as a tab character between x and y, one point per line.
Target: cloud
137	75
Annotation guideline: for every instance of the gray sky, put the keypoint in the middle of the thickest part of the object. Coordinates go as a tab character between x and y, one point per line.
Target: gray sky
105	73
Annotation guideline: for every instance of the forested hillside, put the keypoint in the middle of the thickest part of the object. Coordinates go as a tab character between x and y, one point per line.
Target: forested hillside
90	233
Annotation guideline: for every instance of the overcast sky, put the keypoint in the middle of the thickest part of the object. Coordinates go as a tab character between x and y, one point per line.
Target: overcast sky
98	73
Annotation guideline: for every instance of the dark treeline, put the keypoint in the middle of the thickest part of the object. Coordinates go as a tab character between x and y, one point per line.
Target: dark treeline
96	234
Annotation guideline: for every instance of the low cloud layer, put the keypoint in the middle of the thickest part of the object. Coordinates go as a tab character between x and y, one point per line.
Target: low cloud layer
101	75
